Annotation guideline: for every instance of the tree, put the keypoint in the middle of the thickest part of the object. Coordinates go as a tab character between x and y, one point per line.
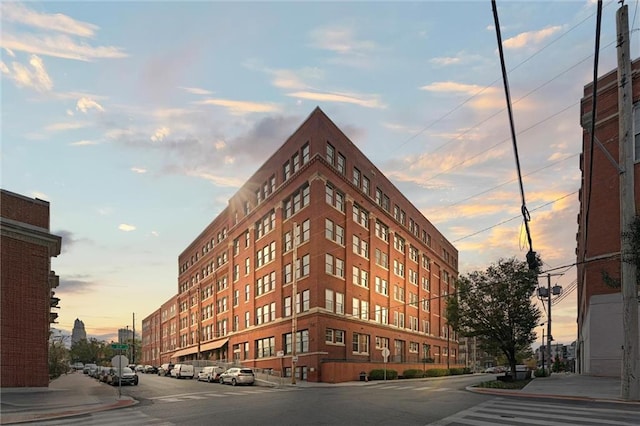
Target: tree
495	305
58	357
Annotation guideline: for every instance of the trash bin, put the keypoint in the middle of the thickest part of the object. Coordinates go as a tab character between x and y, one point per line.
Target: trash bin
363	376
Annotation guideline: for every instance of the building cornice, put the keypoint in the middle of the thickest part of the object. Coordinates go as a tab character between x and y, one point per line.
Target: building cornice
31	234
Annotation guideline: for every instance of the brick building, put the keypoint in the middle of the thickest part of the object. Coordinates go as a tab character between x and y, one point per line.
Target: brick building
600	332
26	290
370	271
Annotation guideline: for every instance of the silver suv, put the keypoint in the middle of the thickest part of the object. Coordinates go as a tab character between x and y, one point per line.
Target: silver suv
238	376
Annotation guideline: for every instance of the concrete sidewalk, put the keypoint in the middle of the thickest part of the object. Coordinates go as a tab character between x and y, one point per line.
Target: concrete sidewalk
69	395
75	394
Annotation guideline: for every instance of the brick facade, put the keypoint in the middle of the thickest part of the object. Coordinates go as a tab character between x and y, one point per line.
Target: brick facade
25	291
235	284
599	304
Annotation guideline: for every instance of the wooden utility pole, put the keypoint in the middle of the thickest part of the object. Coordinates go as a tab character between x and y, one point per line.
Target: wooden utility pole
630	374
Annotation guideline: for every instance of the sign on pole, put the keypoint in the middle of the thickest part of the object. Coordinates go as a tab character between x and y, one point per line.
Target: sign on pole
385	356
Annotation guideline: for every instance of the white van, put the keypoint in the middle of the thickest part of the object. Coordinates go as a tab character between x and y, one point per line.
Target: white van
182	371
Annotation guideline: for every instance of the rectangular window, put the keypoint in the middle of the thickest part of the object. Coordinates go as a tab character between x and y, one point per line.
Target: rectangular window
426	285
413	300
302	268
296	162
379	196
360	216
334	336
331	154
305	153
356	177
382	259
413	277
414	254
302	342
360	247
398	243
382	342
398	319
288	274
360	343
266	347
398	268
334	266
382	231
306	231
247	292
328	297
286	170
360	277
366	185
382	315
398	293
334	197
341	165
305	301
382	286
247	319
298	200
287	307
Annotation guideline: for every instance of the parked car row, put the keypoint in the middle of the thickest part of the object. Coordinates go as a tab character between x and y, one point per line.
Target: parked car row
234	376
113	376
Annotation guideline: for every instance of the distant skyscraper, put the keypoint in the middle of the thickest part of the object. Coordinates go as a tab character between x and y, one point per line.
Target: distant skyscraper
78	332
125	335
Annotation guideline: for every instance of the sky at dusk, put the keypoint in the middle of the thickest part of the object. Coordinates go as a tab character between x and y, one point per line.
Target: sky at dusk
138	121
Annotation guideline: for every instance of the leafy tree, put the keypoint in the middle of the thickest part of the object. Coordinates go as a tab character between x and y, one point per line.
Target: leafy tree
495	305
58	358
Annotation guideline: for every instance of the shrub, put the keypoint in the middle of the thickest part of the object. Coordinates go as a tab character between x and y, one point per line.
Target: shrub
466	370
456	371
378	374
540	372
412	373
436	372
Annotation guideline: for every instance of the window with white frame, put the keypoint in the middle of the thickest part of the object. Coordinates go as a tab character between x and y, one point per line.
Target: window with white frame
366	185
288	274
360	308
382	342
266	224
341	165
382	314
360	247
334	232
413	276
360	343
302	268
360	277
302	342
426	305
266	254
247	319
356	177
333	336
414	254
331	154
305	153
382	259
382	231
398	268
294	203
287	241
382	286
378	196
236	273
334	301
413	323
426	284
414	347
266	347
286	170
295	161
286	307
398	319
334	197
304	296
398	293
247	292
413	300
398	243
334	266
360	216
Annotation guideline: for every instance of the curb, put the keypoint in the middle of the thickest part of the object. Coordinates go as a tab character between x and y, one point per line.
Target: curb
31	417
506	392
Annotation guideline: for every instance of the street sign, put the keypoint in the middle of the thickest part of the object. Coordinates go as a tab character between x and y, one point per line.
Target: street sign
121	346
385	353
119	361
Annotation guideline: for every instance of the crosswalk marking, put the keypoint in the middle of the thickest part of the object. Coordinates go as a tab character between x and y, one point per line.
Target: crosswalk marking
125	416
505	411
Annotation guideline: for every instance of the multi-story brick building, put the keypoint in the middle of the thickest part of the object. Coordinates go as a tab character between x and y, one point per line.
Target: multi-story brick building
600	330
26	295
368	269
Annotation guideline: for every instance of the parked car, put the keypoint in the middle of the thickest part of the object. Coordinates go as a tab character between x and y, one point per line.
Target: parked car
238	376
78	366
128	377
491	370
165	369
182	371
210	373
150	369
88	367
139	368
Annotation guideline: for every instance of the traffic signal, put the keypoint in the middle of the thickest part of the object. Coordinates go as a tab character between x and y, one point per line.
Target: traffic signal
533	261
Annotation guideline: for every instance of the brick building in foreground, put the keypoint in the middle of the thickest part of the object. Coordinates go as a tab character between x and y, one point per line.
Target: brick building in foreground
600	329
26	284
368	269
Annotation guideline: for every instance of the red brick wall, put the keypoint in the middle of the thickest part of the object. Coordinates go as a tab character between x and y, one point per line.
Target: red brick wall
25	298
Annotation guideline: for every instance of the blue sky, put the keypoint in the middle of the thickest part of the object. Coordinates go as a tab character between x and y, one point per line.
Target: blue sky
137	121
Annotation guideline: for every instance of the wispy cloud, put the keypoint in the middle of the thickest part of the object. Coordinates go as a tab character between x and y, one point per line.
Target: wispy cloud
340	40
139	170
83	143
18	12
126	227
530	38
160	134
34	76
368	101
241	107
56	127
197	91
84	104
54	36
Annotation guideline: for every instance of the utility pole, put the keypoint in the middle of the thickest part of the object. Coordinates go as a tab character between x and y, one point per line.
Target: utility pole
630	374
133	350
549	338
294	299
542	350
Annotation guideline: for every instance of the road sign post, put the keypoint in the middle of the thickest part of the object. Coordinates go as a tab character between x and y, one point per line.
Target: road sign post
385	356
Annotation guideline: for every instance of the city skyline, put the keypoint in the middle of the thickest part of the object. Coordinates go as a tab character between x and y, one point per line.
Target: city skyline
138	121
